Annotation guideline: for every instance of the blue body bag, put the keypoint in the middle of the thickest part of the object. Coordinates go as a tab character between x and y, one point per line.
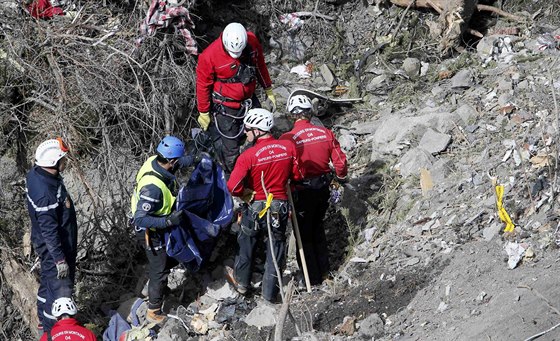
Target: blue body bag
208	206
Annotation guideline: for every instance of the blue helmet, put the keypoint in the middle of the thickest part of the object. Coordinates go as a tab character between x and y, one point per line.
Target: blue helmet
171	147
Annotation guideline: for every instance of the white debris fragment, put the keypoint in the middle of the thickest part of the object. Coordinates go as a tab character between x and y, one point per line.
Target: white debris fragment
301	70
515	252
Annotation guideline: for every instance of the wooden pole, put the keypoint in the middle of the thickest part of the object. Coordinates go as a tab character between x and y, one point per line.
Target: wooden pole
298	239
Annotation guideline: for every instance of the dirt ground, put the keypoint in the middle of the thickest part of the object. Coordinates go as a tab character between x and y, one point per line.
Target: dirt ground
485	300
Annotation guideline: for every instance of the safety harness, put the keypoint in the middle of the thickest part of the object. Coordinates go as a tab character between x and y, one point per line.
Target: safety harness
240	115
246	73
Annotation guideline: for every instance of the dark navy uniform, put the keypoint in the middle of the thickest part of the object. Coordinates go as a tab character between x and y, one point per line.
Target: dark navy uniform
153	200
54	235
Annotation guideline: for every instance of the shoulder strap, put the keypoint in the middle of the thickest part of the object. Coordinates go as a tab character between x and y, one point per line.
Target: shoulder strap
49	337
156	174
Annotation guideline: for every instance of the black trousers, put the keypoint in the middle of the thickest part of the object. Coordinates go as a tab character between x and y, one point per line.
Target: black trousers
159	267
311	207
254	231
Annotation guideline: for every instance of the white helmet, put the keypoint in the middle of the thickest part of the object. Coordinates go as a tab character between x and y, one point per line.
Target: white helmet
259	118
234	39
301	102
49	152
64	305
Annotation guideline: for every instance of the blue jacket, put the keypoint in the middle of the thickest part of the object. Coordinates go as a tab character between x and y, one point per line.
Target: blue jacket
52	213
151	198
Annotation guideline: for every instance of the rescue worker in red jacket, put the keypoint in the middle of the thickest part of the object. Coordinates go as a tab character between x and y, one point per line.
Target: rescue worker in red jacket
273	162
226	77
42	9
316	148
67	328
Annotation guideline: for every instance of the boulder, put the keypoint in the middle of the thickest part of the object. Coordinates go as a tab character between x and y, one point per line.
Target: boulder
434	142
414	160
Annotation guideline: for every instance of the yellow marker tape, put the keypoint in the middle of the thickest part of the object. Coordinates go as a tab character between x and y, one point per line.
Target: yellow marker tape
266	206
504	216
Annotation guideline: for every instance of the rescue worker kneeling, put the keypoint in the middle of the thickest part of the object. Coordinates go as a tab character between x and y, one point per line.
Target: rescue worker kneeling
152	206
273	162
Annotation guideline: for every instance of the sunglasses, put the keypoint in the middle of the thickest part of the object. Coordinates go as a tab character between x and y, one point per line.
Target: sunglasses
62	145
298	110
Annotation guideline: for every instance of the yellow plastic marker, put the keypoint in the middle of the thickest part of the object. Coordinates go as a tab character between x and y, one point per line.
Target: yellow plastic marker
266	206
504	216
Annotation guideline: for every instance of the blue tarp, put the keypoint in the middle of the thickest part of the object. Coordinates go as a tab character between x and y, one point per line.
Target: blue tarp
208	205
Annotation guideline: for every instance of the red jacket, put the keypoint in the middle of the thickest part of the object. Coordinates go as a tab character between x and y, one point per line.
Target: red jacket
42	9
276	158
316	147
69	330
215	63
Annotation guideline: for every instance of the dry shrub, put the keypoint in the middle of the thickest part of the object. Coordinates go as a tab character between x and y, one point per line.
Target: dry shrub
84	78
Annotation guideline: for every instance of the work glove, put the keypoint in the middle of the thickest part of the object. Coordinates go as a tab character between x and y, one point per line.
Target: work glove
62	268
204	120
201	155
174	219
271	97
248	195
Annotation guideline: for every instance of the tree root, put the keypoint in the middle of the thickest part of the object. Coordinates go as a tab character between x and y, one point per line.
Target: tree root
499	12
283	313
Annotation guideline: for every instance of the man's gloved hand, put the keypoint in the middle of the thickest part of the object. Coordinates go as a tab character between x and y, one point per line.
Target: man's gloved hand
62	268
271	97
174	219
201	155
248	195
204	120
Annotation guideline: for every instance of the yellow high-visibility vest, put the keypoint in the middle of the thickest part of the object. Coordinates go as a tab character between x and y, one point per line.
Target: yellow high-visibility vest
143	179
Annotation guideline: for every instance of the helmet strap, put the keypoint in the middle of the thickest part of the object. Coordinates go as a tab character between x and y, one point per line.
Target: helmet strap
260	134
167	163
57	166
175	166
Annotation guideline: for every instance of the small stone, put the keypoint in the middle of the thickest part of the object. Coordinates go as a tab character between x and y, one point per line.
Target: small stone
424	69
371	326
412	261
327	75
347	142
376	82
348	326
263	315
462	80
481	296
471	128
411	67
523	85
